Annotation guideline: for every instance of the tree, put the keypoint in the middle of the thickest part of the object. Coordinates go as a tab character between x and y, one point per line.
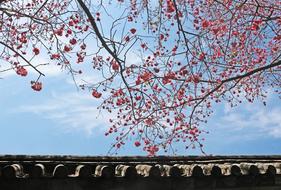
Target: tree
188	56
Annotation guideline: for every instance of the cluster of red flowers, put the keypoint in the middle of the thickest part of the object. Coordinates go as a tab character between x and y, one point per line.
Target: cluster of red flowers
37	86
20	70
96	94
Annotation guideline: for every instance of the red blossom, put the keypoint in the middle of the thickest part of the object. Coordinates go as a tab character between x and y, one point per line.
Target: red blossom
59	32
83	46
73	41
66	48
256	25
137	143
143	45
277	38
55	56
152	150
205	24
127	38
37	86
146	76
115	66
170	6
71	23
118	145
201	56
69	31
96	94
21	71
162	36
133	30
36	51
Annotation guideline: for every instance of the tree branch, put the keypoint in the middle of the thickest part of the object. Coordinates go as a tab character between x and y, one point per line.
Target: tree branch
6	45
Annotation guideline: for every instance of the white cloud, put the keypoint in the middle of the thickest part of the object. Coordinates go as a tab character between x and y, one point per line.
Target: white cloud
73	111
50	70
257	119
6	74
133	58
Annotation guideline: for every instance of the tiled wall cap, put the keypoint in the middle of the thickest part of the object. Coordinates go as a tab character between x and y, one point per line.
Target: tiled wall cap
249	169
171	171
107	169
38	170
235	170
104	171
125	171
60	171
270	170
83	171
216	171
12	171
148	170
197	171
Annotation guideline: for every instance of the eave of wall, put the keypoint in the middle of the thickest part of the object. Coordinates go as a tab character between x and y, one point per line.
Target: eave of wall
151	173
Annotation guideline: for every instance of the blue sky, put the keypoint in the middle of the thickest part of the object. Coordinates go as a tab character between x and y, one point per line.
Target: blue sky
63	120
